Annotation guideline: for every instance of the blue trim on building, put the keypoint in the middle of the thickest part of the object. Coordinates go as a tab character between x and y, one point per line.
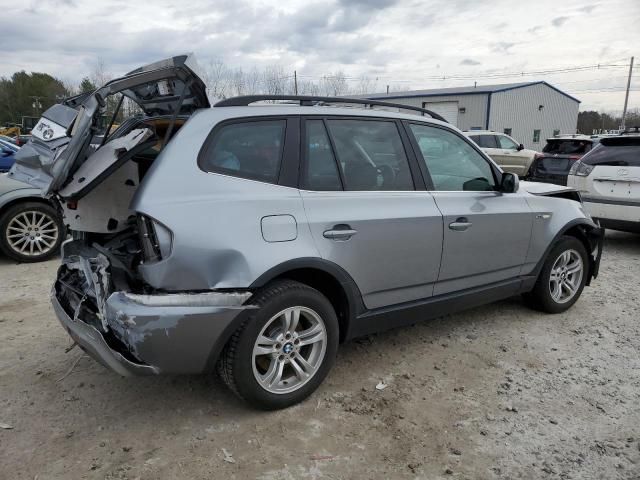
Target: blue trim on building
385	97
479	91
486	127
542	82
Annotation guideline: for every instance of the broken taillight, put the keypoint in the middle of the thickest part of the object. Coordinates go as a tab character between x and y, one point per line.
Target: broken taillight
155	239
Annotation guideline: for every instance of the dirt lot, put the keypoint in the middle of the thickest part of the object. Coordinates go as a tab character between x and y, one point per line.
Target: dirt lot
497	392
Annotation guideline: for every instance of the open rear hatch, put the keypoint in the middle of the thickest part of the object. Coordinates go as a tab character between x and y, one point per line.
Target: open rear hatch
59	159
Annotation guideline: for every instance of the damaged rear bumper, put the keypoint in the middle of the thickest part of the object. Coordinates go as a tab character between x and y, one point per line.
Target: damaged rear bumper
153	334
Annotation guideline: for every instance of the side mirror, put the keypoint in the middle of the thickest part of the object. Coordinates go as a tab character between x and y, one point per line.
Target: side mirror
6	152
520	147
509	183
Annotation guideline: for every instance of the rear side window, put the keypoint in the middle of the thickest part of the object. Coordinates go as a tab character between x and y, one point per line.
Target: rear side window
614	155
371	155
567	147
248	149
485	141
321	168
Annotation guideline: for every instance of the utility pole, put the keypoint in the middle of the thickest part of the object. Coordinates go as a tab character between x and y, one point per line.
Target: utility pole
37	105
295	81
626	97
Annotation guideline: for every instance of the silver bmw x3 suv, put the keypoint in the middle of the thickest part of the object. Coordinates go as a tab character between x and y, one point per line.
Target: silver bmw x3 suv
255	238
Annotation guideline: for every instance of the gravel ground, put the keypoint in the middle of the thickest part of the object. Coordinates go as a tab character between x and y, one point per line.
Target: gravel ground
496	392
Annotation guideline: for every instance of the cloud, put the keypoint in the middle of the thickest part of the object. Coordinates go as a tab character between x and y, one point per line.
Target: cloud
501	47
559	21
409	43
588	8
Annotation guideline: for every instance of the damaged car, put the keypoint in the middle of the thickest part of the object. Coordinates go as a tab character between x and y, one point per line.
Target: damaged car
253	238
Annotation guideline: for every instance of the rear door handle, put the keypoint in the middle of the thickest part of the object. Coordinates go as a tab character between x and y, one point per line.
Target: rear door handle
460	225
339	232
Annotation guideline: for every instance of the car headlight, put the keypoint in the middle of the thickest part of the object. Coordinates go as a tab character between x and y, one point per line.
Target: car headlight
580	169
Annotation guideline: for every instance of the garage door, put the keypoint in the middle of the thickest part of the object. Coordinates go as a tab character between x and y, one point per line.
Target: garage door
448	110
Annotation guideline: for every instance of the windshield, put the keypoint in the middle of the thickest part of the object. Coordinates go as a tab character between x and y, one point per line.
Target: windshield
568	146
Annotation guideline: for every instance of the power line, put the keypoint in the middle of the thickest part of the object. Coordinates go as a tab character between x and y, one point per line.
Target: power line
493	75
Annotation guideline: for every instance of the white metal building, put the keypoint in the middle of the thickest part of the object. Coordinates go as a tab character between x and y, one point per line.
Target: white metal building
530	112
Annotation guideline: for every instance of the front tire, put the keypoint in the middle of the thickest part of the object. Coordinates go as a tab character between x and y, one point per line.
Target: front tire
284	349
30	232
562	277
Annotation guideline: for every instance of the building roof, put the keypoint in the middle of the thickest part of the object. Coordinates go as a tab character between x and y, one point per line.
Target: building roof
480	89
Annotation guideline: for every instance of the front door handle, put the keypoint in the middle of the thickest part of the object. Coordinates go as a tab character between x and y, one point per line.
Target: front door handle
339	232
460	225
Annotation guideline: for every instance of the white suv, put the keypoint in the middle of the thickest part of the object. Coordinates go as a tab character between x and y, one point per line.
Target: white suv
608	178
504	150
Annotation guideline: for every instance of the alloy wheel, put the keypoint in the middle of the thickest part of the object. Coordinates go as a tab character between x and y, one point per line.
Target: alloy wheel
565	276
289	350
32	233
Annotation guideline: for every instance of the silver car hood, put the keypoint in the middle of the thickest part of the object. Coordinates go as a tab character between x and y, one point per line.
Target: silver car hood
538	188
61	139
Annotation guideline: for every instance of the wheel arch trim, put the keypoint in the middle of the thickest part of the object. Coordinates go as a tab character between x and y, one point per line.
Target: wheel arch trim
592	235
355	305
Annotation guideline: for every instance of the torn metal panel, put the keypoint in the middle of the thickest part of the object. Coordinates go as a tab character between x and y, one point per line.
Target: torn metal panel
105	160
206	299
105	209
175	339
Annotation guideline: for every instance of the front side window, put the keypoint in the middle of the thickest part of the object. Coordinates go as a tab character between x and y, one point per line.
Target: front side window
371	155
249	149
506	143
453	164
536	136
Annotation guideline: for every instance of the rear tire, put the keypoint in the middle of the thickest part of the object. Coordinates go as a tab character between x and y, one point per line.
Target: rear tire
31	232
562	277
284	349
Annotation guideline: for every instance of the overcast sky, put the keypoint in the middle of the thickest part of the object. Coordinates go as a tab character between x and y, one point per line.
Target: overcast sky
403	43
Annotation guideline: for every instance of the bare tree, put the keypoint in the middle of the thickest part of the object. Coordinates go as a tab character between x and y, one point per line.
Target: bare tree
334	84
238	82
216	78
275	80
253	80
365	85
99	74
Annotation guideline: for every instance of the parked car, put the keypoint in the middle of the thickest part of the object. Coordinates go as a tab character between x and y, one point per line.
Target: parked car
8	139
608	178
22	139
256	238
7	152
504	150
557	157
31	228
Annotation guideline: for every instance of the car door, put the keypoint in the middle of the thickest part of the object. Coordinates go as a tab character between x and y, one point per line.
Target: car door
486	232
364	210
7	152
511	158
489	145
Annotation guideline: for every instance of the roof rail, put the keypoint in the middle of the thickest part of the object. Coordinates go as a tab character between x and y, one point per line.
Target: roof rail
310	100
628	130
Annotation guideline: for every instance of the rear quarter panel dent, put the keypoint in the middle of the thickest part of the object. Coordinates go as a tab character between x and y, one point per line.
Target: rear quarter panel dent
215	219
